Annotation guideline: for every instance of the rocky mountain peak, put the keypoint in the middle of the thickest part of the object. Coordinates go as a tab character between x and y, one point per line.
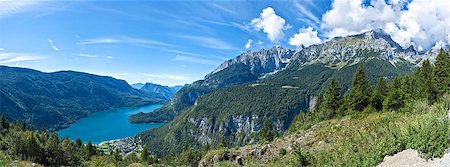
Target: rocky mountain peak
354	48
261	61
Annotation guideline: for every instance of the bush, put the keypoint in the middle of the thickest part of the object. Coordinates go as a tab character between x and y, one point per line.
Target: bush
282	152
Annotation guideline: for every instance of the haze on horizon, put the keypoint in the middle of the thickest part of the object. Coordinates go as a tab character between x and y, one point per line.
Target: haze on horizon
178	42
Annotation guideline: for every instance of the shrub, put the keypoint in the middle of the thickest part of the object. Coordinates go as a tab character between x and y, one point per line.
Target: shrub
282	152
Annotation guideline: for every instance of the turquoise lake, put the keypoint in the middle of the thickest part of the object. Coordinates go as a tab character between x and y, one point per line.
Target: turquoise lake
108	125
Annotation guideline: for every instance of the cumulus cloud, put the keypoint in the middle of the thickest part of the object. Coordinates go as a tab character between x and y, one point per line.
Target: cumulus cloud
270	23
351	17
109	57
248	44
423	24
419	23
305	37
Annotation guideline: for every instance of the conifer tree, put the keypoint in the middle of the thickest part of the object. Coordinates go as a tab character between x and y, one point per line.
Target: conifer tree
91	150
266	131
333	97
144	154
4	125
426	84
380	93
396	98
318	104
79	143
361	92
441	76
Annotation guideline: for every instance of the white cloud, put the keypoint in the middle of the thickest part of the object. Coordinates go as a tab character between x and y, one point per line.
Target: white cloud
109	57
197	60
2	49
351	17
125	40
306	12
15	57
270	23
52	45
224	8
260	42
210	42
8	8
87	55
102	40
421	23
166	76
248	44
305	37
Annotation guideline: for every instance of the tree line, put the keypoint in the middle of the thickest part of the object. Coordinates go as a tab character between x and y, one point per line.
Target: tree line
430	82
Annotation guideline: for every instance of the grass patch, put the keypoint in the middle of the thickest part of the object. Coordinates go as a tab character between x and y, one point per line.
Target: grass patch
365	139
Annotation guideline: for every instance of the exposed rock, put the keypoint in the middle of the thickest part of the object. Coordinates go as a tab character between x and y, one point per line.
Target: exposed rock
262	61
312	103
372	44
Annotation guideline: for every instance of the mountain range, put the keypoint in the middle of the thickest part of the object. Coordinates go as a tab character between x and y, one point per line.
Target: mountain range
231	102
226	108
55	100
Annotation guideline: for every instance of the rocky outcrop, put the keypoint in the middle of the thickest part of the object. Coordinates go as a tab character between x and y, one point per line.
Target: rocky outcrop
372	44
206	129
262	61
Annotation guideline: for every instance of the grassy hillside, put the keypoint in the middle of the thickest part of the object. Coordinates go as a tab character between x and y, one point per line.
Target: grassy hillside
360	139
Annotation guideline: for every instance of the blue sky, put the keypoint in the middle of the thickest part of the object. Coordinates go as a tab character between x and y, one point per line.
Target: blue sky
165	42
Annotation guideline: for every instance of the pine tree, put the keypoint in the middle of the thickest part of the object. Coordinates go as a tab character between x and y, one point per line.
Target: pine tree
441	76
426	85
333	98
91	150
265	133
144	154
4	125
396	98
361	92
33	148
318	104
79	143
380	93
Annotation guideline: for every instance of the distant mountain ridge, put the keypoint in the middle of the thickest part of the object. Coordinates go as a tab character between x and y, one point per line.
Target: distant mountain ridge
245	68
56	99
351	49
137	85
159	91
215	108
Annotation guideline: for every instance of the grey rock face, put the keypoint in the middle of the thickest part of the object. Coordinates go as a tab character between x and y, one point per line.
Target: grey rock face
262	61
372	44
